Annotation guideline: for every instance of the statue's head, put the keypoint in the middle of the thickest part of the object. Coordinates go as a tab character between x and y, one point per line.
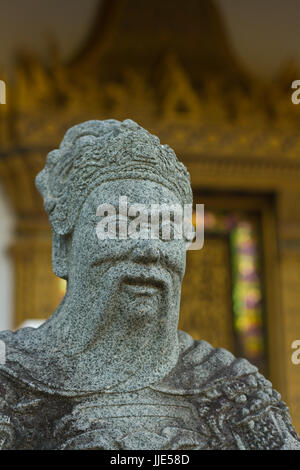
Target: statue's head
123	293
99	163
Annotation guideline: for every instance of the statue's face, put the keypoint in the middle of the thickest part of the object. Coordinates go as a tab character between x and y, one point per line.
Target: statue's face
140	271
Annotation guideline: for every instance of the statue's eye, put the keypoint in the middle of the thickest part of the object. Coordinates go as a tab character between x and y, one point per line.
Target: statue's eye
170	230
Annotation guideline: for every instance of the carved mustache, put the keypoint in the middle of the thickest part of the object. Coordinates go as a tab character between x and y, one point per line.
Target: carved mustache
134	274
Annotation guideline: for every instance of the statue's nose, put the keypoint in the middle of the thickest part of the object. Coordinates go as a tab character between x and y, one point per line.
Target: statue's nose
145	251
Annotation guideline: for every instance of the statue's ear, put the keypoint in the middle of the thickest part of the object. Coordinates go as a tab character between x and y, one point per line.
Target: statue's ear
60	254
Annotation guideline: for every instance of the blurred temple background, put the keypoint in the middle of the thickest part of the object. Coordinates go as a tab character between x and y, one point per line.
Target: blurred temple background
213	80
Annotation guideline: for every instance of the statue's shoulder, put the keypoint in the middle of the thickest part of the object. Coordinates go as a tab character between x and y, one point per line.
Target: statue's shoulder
200	365
237	405
7	427
255	414
12	391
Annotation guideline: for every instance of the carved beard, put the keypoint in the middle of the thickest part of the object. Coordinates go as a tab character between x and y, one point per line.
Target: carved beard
128	299
97	344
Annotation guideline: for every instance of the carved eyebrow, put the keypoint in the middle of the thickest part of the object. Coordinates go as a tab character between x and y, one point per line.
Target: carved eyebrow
115	217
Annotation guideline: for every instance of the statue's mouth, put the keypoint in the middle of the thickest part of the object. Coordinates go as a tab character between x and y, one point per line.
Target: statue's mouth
143	285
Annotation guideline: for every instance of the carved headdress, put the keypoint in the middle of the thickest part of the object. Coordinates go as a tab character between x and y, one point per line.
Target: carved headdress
98	151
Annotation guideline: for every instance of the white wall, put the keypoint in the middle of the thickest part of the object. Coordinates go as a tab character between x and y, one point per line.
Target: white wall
7	220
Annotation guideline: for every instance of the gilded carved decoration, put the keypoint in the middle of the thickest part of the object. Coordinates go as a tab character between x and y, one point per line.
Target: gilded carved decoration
211	122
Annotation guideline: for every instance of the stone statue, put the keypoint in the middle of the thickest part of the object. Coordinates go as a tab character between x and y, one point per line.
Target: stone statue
109	369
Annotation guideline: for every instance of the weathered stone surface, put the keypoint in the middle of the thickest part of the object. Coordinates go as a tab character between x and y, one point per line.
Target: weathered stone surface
109	369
